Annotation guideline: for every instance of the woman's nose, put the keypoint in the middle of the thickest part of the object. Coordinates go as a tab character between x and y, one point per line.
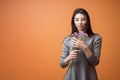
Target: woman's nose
80	22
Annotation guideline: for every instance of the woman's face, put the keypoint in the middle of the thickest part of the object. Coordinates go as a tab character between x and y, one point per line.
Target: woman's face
80	21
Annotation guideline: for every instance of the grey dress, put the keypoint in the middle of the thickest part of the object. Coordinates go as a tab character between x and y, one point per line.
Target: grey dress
82	68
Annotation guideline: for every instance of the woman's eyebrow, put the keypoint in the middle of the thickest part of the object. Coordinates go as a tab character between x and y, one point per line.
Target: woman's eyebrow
76	18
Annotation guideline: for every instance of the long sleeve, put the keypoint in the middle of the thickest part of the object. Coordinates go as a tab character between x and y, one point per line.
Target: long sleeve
65	52
94	58
82	67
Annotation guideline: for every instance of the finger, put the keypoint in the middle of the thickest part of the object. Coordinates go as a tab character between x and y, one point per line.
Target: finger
74	44
74	38
75	41
73	57
73	53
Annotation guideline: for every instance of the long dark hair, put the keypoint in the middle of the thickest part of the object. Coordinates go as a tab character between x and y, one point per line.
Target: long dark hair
87	29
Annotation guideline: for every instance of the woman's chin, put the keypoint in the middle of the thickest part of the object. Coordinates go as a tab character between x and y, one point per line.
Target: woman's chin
80	29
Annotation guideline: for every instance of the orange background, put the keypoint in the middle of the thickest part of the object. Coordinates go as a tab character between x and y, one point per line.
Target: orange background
31	35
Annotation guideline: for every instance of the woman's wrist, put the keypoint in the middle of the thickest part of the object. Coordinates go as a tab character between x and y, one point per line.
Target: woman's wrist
87	51
66	61
84	47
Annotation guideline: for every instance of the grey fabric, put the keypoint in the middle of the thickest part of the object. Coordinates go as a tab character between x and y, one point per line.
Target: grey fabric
82	68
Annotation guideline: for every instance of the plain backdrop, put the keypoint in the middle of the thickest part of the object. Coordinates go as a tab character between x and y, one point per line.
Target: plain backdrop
32	32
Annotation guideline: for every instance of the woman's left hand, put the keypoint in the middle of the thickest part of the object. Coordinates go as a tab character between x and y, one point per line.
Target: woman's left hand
78	43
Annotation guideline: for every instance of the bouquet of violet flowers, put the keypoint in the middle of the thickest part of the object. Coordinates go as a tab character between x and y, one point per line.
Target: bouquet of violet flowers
79	35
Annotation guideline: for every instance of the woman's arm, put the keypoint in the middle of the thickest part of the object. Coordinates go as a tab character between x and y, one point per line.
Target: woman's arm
65	53
93	56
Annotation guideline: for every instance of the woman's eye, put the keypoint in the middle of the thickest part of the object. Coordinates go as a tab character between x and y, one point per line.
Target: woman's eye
83	19
76	20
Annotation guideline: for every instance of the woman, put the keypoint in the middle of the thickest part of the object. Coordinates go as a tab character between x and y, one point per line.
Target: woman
81	62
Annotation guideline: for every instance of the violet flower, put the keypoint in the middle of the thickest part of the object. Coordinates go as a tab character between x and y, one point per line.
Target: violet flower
79	35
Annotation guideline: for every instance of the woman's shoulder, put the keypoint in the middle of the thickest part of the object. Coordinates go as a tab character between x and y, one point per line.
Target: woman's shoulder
67	38
96	36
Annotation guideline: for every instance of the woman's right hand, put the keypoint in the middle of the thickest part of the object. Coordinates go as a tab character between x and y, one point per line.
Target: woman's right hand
72	55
